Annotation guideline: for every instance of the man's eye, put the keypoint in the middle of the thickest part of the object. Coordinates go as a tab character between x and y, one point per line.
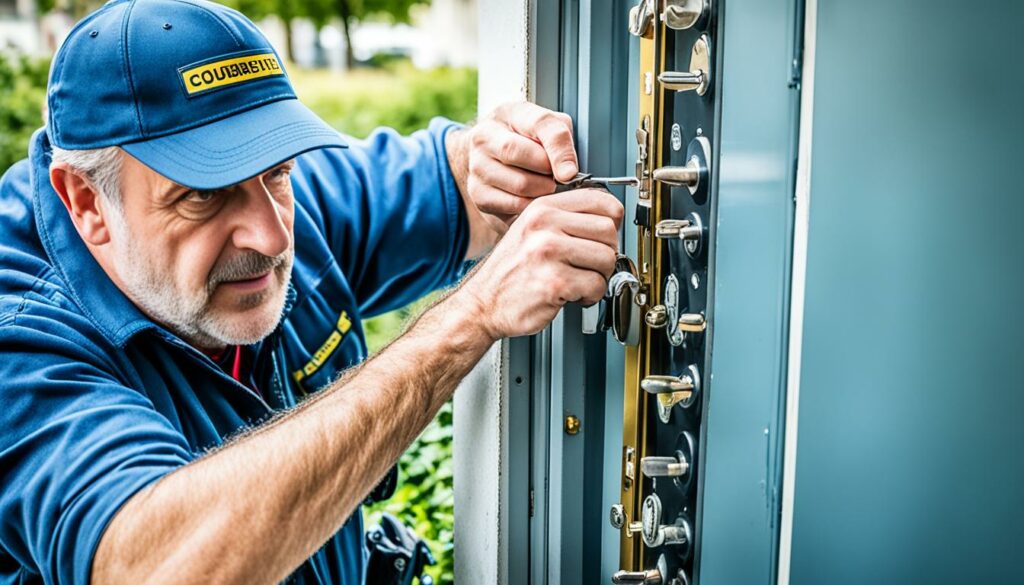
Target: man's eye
199	196
279	173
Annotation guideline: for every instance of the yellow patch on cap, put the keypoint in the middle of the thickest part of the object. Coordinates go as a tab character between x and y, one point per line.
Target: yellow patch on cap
230	71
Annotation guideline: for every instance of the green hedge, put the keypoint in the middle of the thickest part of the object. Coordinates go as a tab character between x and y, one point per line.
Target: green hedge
398	96
23	80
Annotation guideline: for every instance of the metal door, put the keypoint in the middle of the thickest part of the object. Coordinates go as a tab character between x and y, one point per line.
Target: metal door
907	395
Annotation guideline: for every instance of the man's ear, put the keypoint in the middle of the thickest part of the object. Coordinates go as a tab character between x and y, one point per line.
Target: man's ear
82	200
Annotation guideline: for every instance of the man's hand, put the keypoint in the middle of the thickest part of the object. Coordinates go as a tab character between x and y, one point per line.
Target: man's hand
561	249
510	157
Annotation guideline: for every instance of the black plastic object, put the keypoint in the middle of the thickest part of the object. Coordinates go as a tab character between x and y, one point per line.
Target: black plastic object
397	555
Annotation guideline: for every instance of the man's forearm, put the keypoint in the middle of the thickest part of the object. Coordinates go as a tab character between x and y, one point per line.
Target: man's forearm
255	509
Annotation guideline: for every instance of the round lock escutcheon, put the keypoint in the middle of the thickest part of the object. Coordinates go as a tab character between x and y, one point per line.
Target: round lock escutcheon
686	450
698	153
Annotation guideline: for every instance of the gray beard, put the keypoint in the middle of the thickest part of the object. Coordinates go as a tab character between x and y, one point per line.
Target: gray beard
187	313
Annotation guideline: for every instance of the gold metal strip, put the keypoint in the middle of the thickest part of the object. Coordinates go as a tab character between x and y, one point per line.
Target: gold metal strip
652	51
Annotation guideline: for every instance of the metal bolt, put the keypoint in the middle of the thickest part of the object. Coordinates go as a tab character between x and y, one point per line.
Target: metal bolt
400	564
656	317
572	425
167	26
695	281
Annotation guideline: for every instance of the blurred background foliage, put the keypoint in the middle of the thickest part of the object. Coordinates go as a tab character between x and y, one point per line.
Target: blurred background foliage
386	91
23	80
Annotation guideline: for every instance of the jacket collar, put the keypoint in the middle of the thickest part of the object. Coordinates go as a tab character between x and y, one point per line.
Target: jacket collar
102	302
113	314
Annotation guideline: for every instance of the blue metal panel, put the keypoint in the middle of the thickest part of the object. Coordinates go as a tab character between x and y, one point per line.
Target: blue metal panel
750	295
912	392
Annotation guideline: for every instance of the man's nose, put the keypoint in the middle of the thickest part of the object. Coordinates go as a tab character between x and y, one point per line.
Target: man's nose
260	224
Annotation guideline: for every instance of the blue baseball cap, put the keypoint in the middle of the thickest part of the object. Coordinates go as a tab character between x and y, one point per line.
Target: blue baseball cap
190	88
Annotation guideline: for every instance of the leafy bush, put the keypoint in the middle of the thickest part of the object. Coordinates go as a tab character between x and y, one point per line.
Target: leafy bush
398	96
21	104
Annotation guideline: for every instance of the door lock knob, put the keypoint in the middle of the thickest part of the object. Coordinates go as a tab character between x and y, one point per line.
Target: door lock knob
641	17
672	390
698	78
689	230
667	384
682	229
692	322
684	81
654	467
652	577
694	175
683	14
684	176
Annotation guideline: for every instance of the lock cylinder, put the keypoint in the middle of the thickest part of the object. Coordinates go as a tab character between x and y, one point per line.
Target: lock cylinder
672	390
657	534
694	175
654	467
651	577
692	322
689	230
698	78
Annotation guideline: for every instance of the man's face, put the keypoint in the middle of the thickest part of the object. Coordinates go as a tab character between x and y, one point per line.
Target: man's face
213	266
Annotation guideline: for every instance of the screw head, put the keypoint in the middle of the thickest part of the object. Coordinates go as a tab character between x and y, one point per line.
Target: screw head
572	425
400	564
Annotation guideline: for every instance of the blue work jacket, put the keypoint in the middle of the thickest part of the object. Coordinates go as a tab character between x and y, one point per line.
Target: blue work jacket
97	401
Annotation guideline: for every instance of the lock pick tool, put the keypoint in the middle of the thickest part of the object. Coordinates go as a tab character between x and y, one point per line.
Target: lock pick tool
587	180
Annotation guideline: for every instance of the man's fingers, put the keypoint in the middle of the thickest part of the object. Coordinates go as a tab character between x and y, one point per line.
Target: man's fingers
516	181
581	286
594	201
553	130
494	201
600	229
591	255
516	150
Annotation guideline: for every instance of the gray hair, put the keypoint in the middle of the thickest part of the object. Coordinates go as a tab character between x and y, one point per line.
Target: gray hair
101	166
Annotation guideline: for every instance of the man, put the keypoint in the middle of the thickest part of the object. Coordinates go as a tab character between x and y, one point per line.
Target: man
186	256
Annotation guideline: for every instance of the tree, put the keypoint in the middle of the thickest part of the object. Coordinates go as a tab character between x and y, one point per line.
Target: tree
352	11
286	10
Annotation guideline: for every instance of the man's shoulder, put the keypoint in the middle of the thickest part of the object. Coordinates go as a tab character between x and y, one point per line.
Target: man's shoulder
30	288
